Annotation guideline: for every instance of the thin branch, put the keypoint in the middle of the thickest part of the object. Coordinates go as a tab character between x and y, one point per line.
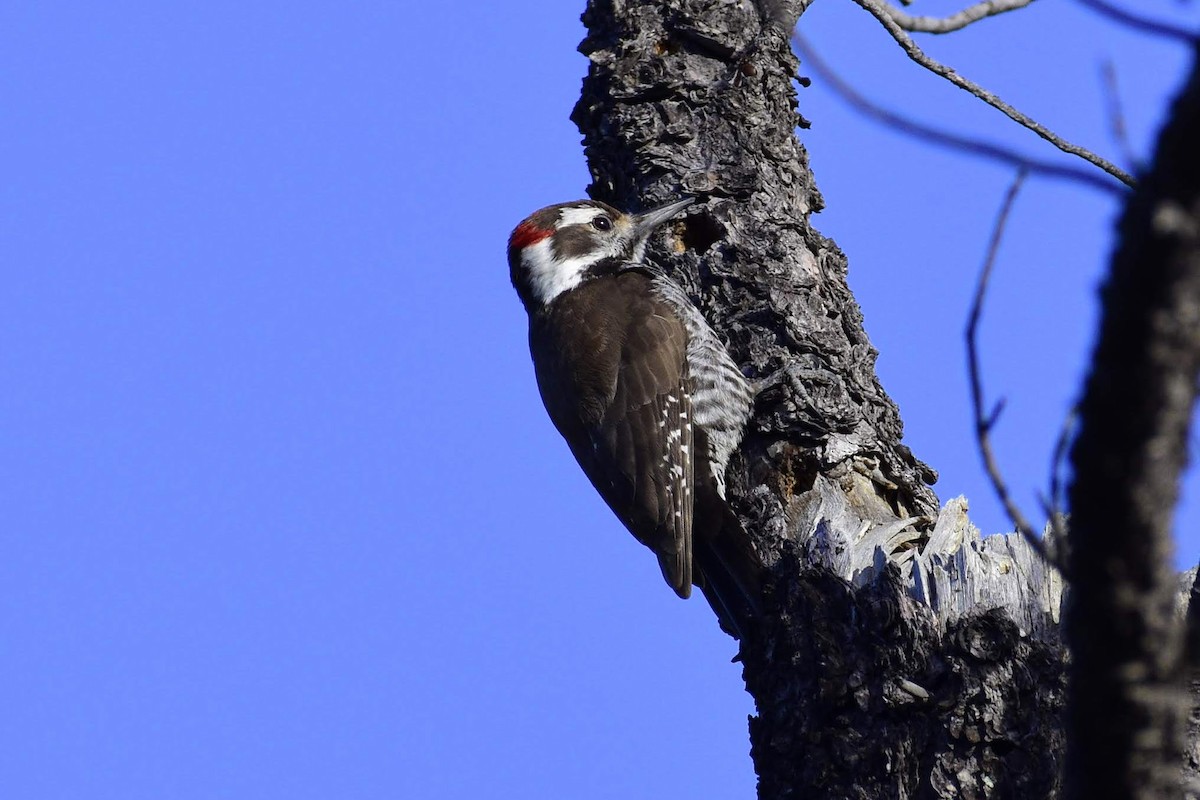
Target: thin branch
876	9
984	424
1116	113
954	22
1059	458
1055	504
1153	27
951	141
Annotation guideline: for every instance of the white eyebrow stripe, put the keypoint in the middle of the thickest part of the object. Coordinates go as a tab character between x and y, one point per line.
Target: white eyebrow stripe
574	215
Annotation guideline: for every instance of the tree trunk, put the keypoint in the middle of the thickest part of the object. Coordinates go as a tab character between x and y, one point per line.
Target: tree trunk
1125	717
899	656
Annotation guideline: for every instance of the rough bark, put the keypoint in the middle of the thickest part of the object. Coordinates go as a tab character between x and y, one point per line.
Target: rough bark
696	98
901	656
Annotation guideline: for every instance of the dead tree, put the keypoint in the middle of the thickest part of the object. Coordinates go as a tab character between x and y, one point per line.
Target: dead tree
900	656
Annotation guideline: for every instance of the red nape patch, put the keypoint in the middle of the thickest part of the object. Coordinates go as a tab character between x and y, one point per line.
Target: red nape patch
527	233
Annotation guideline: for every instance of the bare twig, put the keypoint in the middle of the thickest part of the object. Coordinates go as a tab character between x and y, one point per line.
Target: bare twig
954	22
1056	502
876	9
1116	114
1060	455
984	424
934	136
1142	24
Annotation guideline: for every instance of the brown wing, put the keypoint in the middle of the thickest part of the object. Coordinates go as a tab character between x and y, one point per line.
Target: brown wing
644	445
635	439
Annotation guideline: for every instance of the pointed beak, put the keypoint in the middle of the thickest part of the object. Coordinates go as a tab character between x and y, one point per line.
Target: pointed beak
643	224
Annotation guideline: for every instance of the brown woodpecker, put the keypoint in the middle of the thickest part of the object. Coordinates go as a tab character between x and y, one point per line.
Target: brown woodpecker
644	392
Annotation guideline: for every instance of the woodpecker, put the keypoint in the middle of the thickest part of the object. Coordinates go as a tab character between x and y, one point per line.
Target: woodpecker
643	391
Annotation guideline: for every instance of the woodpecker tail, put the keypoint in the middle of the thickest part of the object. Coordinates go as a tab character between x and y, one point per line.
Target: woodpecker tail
727	569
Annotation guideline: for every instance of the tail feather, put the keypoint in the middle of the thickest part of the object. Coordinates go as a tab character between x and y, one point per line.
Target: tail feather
728	571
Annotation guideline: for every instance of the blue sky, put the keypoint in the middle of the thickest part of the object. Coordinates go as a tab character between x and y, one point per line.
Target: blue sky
283	516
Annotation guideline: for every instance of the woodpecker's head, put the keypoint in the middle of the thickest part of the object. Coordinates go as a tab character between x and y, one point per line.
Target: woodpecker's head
559	247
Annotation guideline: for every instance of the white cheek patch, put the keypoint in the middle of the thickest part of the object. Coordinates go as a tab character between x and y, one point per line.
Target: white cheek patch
549	277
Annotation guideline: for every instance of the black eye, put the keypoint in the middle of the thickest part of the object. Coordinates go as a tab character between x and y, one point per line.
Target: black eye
602	223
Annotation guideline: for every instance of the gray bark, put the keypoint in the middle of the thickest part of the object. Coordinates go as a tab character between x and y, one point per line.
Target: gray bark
900	655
